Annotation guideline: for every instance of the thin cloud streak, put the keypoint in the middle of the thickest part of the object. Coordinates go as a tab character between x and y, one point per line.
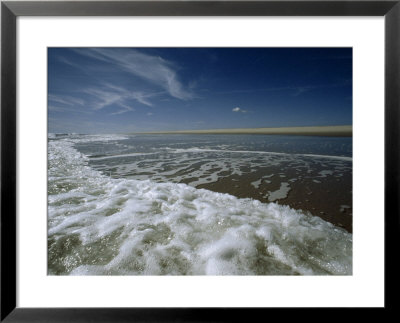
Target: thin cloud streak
126	108
110	94
70	63
150	68
65	100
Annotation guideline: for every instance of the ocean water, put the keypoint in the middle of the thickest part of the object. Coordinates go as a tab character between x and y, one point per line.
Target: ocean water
158	205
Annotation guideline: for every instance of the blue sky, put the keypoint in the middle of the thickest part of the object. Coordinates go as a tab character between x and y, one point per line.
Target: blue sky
118	90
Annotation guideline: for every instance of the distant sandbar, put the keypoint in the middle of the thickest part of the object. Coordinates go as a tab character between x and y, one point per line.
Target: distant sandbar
334	131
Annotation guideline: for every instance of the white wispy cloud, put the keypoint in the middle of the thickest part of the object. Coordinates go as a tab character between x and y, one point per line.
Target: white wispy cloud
67	104
153	69
237	109
125	108
139	96
101	98
65	100
98	97
54	108
66	61
109	94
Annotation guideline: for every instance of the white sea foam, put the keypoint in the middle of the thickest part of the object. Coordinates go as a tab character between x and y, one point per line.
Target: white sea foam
325	173
121	156
197	166
257	183
104	226
76	138
344	158
201	150
281	193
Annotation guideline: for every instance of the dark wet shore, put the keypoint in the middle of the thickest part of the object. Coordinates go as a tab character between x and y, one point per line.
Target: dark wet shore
328	197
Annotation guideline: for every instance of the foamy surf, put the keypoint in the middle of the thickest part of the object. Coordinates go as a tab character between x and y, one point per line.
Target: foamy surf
98	225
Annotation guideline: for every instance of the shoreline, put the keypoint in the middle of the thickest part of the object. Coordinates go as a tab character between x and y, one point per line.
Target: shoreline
331	131
330	200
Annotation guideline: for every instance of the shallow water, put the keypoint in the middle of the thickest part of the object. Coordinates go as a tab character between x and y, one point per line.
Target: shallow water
130	205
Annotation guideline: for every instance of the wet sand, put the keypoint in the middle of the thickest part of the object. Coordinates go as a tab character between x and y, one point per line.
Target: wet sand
331	199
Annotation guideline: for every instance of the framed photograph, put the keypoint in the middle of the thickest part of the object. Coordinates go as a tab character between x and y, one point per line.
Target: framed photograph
196	160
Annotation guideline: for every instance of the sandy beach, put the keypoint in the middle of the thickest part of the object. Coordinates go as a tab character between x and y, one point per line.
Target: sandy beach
334	131
331	199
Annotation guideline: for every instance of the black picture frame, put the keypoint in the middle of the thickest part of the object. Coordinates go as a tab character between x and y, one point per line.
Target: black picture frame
10	10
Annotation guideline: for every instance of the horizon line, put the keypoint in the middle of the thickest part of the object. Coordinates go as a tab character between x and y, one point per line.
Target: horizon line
337	131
